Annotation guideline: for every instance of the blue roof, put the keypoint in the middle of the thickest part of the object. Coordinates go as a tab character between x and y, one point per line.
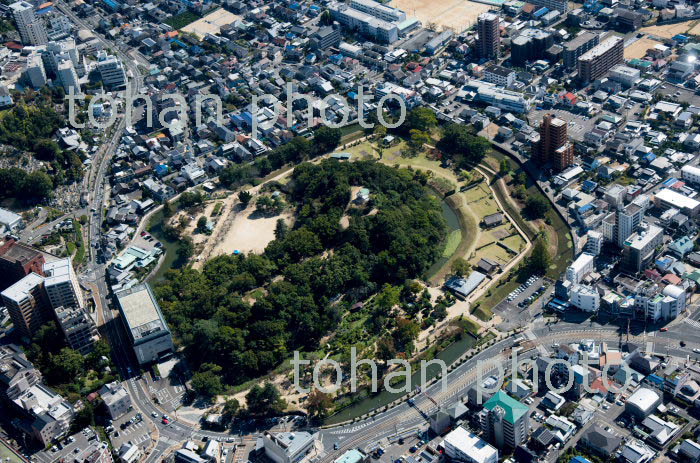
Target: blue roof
579	459
541	12
314	7
589	185
649	157
112	4
161	168
670	181
655	379
585	208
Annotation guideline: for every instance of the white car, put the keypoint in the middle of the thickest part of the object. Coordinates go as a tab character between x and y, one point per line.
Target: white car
696	350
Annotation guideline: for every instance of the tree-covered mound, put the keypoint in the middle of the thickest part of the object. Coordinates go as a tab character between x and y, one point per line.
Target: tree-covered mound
325	269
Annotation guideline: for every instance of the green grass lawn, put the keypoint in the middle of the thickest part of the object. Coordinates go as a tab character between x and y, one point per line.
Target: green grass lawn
8	455
181	20
453	240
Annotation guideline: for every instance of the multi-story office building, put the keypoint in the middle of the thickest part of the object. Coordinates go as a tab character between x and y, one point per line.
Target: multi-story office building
326	37
464	446
116	399
585	298
370	26
553	146
288	447
18	260
78	328
582	266
27	304
494	95
597	61
31	29
489	41
577	46
379	10
505	421
499	75
149	334
562	6
111	70
639	249
62	285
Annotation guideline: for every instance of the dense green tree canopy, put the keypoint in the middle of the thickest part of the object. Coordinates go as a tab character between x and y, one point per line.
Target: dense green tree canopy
215	321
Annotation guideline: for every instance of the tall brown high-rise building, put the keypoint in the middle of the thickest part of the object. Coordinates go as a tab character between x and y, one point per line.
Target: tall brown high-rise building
489	41
554	146
27	303
18	260
597	61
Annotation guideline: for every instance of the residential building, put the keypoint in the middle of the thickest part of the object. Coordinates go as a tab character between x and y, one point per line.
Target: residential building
505	421
78	328
116	398
17	374
577	46
639	249
691	450
288	447
596	62
691	174
664	305
35	73
27	304
579	268
18	260
188	456
61	284
629	221
489	40
553	147
148	333
111	70
600	442
594	245
464	446
45	415
499	75
530	45
326	37
68	77
636	452
31	29
130	453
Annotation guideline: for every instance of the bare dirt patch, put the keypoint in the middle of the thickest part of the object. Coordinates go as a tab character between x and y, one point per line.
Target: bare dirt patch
639	48
455	14
668	31
211	23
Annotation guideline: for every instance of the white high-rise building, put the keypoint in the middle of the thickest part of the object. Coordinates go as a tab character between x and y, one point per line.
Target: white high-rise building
580	268
585	298
31	30
59	51
68	77
62	285
111	70
35	73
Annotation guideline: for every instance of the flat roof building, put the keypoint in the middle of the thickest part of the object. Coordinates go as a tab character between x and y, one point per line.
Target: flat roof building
149	334
596	62
27	304
288	447
667	198
462	445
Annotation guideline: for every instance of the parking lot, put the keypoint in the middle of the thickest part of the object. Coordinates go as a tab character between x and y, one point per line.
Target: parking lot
524	303
67	448
579	124
131	428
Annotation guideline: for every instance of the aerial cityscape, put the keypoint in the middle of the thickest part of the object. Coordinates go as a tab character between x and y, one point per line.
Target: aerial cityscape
346	231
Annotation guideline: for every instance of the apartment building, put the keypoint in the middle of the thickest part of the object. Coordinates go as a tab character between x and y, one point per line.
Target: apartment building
582	266
61	283
17	374
78	328
18	260
31	29
27	304
640	248
499	75
596	62
489	40
111	70
288	447
577	46
116	399
464	446
505	421
553	147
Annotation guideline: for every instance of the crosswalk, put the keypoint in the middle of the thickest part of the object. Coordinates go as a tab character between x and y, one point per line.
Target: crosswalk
693	323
